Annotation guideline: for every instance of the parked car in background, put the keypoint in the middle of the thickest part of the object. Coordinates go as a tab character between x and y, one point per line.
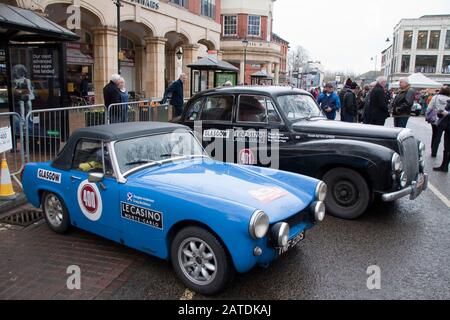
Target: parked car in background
151	186
357	162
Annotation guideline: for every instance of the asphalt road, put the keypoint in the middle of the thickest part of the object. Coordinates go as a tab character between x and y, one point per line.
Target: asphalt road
409	241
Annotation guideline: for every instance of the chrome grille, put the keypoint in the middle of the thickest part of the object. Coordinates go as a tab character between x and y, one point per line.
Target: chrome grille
410	157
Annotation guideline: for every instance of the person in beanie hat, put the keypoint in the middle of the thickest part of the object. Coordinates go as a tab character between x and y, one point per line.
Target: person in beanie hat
350	107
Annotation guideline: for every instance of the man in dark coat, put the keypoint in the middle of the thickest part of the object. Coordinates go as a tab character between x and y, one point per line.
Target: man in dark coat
378	107
403	103
350	107
176	94
111	92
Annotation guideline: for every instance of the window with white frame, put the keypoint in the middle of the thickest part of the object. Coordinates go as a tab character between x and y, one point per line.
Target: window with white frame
254	26
209	8
229	25
183	3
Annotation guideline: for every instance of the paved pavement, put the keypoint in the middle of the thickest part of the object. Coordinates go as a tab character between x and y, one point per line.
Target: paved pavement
409	241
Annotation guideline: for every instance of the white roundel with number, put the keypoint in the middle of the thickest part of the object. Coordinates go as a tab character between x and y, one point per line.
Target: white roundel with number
90	200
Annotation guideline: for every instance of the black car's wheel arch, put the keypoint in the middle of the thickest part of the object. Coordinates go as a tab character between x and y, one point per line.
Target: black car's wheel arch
192	223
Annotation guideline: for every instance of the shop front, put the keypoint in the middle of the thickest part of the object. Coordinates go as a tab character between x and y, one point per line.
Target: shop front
80	70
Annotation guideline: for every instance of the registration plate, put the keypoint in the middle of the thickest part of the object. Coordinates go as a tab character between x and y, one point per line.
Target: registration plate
420	186
292	243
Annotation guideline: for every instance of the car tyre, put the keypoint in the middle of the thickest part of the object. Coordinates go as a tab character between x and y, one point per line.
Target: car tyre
195	252
348	195
55	213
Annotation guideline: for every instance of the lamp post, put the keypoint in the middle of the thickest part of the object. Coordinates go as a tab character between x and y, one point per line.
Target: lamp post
119	5
245	43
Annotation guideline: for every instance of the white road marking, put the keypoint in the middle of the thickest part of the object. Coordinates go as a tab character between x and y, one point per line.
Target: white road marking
187	295
438	194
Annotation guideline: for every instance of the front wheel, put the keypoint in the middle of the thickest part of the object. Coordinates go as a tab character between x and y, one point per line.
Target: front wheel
200	261
348	193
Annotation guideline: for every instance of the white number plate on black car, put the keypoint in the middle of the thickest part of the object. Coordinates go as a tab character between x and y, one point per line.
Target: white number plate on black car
292	243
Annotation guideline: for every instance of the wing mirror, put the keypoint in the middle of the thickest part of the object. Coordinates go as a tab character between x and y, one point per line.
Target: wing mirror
96	177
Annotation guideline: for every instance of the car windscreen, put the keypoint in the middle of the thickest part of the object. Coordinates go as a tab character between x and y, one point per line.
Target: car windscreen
297	107
143	151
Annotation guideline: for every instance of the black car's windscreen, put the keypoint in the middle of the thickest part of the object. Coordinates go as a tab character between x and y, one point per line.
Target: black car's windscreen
141	151
297	107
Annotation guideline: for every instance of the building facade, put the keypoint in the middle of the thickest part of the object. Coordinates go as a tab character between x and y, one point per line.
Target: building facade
386	61
422	45
152	33
248	42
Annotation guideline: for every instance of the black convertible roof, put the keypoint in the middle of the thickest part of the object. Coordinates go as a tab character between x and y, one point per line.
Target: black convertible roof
124	131
112	132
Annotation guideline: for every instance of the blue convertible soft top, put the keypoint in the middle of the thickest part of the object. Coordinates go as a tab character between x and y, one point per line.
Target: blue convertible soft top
112	132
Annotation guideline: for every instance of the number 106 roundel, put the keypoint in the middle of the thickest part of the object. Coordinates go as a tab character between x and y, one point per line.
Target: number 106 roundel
152	187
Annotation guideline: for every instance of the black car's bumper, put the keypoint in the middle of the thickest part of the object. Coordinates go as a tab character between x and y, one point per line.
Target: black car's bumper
413	191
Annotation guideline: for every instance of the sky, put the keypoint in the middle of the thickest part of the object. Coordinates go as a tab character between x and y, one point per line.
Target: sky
345	35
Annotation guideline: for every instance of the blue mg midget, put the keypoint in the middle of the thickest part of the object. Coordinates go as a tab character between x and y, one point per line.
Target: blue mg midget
151	187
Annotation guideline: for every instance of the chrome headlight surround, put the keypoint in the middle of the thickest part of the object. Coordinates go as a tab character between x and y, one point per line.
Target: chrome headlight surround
403	180
321	191
280	234
259	225
422	150
397	163
319	210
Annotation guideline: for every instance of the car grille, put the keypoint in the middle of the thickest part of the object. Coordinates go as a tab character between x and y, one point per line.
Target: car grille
303	216
410	157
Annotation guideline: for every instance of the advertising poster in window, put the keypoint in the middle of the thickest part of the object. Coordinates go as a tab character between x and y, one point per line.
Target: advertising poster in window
36	85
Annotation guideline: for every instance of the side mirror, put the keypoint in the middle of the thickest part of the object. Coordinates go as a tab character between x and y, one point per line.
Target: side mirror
96	177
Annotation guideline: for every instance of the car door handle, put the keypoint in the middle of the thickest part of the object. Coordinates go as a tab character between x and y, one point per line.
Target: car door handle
75	178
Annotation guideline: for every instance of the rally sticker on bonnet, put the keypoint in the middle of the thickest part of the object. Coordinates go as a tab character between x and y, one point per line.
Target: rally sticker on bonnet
268	195
49	176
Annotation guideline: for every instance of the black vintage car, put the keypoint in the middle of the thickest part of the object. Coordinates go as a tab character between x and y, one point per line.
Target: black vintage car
284	128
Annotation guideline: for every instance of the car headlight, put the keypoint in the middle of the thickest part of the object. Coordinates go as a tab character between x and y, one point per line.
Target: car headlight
321	191
397	163
403	180
259	225
318	209
422	150
280	234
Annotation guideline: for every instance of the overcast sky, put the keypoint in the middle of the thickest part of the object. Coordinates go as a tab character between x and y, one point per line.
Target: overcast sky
344	35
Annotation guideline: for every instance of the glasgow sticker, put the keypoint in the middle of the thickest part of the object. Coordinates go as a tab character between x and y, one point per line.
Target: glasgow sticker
49	176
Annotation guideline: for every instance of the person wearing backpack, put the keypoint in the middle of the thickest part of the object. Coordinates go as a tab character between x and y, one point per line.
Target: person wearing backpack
436	106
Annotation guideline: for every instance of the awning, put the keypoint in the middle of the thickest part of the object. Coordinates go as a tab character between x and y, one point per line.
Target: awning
261	74
209	63
419	81
17	24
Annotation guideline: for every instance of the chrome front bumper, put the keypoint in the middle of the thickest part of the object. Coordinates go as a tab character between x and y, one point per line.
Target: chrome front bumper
413	191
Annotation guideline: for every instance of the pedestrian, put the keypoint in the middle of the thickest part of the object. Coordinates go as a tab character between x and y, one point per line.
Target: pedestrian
350	107
444	125
403	103
360	101
437	105
175	93
329	101
378	110
111	93
347	86
124	99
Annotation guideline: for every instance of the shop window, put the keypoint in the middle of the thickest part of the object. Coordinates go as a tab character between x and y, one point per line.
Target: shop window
254	26
405	63
422	40
435	37
446	65
229	25
407	40
126	43
3	81
447	40
182	3
426	64
209	8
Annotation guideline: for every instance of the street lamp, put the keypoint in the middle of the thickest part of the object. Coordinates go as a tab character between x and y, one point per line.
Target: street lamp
118	4
179	54
245	43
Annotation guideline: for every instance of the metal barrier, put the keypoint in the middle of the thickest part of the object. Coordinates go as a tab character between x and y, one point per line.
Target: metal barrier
46	131
139	111
15	157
